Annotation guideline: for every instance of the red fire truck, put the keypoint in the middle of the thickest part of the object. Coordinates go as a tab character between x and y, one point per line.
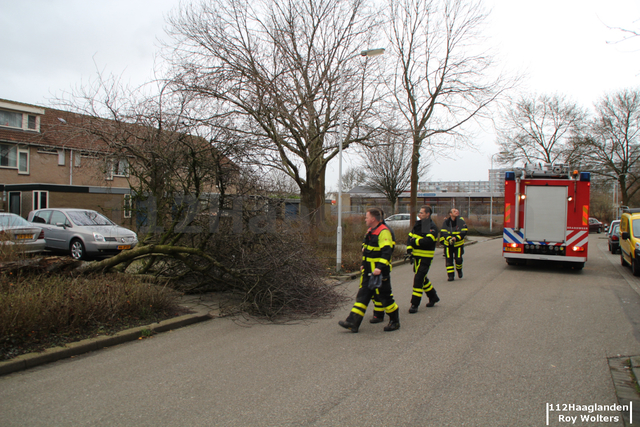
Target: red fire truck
546	215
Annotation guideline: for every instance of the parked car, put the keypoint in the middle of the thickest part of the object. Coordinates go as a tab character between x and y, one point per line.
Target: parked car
83	233
15	230
613	236
595	225
630	240
399	221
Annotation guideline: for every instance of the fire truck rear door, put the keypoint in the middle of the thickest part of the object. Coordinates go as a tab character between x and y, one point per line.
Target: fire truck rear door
545	217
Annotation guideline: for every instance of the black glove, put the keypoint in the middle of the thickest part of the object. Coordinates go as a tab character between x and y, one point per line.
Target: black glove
375	281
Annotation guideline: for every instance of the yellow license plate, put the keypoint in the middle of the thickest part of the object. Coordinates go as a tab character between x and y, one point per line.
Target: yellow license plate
24	236
512	249
121	247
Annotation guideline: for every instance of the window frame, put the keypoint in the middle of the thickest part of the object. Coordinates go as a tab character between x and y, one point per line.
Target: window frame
21	152
126	206
36	201
17	113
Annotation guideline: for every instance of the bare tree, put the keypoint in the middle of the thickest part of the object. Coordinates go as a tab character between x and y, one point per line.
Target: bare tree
177	163
613	149
353	177
286	75
440	81
541	129
276	182
388	167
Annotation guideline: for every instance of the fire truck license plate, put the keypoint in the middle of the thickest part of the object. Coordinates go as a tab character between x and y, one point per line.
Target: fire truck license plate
121	247
513	249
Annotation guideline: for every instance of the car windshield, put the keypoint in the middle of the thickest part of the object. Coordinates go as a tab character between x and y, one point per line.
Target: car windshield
13	221
615	229
88	218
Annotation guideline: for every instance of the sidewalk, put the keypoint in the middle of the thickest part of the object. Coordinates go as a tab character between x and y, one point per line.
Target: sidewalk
202	307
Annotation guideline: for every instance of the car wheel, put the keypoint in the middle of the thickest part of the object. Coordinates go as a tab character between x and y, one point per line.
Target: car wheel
635	268
77	249
610	248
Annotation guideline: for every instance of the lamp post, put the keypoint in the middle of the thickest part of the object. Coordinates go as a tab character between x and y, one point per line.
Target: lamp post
368	54
491	187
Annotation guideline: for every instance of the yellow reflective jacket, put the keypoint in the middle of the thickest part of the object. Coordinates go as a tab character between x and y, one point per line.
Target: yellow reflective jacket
422	239
377	249
457	228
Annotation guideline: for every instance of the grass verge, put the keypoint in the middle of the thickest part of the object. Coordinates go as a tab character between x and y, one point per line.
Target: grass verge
42	311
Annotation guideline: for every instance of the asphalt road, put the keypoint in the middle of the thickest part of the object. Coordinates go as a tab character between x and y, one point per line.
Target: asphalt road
502	344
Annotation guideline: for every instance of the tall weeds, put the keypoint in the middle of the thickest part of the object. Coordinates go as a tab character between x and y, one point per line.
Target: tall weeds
32	307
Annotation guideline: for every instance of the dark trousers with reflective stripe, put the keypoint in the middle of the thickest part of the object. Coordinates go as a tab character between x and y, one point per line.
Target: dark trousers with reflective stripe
454	257
382	297
378	309
421	282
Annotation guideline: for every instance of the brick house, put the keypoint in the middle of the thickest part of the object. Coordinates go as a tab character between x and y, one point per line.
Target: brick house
45	163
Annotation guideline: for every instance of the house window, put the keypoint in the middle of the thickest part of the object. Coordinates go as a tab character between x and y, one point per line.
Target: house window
15	158
8	156
10	119
40	199
127	206
31	122
121	167
23	161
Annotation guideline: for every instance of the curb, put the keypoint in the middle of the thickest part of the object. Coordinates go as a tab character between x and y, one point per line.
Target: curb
49	355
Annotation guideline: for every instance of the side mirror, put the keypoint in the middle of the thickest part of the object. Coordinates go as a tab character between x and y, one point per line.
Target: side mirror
60	224
625	235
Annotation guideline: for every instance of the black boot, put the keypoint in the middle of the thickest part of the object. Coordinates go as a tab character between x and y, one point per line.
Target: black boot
433	297
352	323
460	273
377	318
451	277
394	321
413	309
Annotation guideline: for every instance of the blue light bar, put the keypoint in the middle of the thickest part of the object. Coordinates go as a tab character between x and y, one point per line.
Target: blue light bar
585	176
510	176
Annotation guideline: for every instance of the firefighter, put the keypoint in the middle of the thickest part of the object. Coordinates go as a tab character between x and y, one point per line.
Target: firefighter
378	309
452	235
421	245
375	279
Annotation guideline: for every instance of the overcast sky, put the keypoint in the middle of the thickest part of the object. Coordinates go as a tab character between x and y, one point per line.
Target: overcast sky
563	46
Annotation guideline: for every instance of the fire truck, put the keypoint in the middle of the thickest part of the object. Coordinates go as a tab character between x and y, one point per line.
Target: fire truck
546	215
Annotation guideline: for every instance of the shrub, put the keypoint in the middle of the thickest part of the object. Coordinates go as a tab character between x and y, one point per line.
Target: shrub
34	307
274	274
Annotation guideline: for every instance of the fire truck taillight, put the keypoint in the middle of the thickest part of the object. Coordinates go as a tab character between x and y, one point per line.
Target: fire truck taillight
569	198
523	196
578	249
513	245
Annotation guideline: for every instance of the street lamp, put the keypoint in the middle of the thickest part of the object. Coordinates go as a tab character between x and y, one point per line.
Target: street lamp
491	187
369	54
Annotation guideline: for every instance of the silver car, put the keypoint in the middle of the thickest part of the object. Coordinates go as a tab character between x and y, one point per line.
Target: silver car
82	232
20	234
399	221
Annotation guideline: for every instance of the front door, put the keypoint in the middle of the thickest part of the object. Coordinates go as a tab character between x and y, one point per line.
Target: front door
14	202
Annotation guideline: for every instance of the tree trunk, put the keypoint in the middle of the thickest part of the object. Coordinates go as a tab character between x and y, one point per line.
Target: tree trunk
623	190
312	196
